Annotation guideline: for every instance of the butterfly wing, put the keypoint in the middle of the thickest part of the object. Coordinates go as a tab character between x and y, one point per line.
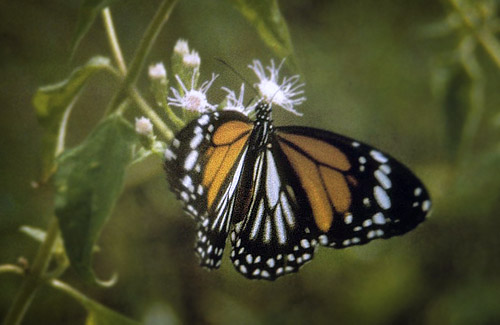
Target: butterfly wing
203	167
356	193
274	238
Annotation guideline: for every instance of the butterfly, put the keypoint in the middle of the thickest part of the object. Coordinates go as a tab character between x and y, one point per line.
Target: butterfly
280	192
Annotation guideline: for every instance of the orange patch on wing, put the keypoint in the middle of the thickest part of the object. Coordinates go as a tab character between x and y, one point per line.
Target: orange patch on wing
228	132
311	182
213	164
320	150
221	168
337	188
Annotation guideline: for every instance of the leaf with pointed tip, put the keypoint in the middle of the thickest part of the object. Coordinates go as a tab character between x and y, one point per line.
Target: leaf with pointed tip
53	105
266	17
88	182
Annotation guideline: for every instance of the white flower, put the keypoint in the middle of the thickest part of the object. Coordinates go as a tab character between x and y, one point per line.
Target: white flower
157	71
181	47
236	104
192	59
193	99
143	126
281	94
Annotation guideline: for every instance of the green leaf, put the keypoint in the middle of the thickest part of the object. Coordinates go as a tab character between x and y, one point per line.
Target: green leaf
53	105
88	182
86	16
266	17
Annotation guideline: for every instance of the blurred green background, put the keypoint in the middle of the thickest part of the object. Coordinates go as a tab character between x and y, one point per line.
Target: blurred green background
378	71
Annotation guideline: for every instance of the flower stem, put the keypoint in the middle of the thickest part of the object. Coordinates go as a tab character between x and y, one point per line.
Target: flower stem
137	64
34	277
150	113
139	59
113	40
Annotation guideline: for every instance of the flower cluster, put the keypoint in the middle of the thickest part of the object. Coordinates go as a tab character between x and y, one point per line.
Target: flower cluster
191	96
193	99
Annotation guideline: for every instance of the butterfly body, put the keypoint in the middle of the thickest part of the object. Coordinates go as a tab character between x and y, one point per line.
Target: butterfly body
279	192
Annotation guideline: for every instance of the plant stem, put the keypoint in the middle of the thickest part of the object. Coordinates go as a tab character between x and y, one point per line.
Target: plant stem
150	113
77	295
128	84
113	40
9	268
34	277
140	55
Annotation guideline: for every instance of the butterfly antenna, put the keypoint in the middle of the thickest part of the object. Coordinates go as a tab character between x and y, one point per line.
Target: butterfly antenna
238	74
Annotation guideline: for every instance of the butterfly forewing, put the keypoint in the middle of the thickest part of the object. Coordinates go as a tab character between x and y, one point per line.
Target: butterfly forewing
203	167
357	193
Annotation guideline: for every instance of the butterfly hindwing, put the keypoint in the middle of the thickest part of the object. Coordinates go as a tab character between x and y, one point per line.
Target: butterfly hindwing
274	237
357	193
203	167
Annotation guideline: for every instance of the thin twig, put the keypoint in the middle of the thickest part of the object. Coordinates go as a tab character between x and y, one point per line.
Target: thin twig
34	278
113	40
128	83
143	50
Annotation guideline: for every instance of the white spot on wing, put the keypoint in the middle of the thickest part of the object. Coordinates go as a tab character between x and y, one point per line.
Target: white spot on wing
378	156
249	259
191	160
381	197
272	180
203	120
383	179
426	205
323	239
187	182
258	220
367	223
385	168
195	142
287	210
280	226
270	262
169	155
267	230
379	218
